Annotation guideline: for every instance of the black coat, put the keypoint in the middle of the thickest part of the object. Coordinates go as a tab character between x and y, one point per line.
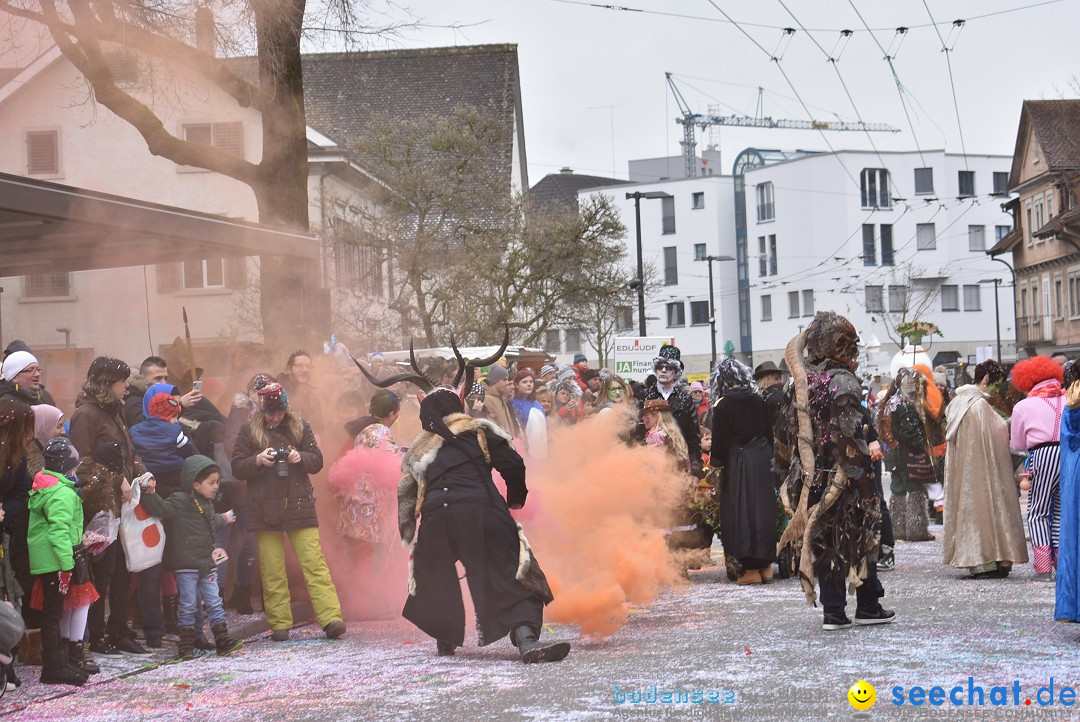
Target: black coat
15	485
278	503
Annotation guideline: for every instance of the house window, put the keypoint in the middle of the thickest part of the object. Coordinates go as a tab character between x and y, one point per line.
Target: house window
667	207
766	211
553	340
1001	183
676	314
671	266
1059	309
573	340
808	303
1074	294
1000	232
977	238
1027	225
925	236
1049	205
966	183
897	299
48	284
874	184
699	313
766	308
697	201
886	244
924	180
950	298
875	302
43	152
973	298
624	318
772	255
763	257
869	247
793	304
228	137
699	252
204	274
1040	219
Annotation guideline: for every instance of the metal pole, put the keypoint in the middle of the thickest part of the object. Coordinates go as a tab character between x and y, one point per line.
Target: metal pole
712	313
640	268
997	318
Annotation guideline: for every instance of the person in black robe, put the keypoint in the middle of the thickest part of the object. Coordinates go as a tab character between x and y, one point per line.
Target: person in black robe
447	482
742	445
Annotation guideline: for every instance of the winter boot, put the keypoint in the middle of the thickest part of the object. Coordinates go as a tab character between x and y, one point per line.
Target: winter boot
186	648
532	650
77	660
202	643
169	607
224	643
918	527
240	599
54	669
30	650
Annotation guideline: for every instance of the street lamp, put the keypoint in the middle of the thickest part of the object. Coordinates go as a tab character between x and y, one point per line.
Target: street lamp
640	285
712	302
997	314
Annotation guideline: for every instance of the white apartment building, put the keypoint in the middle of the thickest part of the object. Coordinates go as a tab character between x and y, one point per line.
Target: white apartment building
696	219
880	238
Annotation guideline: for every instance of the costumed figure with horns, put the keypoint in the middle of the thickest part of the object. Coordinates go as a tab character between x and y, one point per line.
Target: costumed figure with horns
828	488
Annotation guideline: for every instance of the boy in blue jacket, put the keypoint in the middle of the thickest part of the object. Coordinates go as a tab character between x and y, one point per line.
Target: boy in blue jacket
160	441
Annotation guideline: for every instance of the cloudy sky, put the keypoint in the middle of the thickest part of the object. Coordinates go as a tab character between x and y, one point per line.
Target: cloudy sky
594	92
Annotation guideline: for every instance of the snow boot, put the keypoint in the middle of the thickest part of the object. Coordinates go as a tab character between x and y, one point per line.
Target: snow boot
54	668
224	643
76	659
186	647
532	650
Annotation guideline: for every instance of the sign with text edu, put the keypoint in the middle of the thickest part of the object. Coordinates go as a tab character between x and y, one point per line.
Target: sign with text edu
634	356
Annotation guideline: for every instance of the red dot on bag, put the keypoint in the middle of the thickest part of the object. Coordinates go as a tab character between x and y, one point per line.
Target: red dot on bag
140	512
151	536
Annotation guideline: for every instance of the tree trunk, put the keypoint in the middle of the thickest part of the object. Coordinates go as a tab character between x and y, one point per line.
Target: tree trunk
295	311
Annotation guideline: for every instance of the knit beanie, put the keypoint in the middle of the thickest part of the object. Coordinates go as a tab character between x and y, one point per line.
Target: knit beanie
164	406
272	397
547	369
16	362
497	373
579	357
60	456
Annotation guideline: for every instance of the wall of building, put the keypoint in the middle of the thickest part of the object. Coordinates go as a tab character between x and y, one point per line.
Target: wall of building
818	223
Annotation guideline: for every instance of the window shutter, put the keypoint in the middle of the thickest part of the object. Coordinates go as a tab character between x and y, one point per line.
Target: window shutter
229	137
42	156
235	272
168	277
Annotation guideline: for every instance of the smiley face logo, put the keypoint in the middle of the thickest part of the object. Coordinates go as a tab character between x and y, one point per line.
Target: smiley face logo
862	695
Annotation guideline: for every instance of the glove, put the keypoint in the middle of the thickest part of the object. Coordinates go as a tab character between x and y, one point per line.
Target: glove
65	582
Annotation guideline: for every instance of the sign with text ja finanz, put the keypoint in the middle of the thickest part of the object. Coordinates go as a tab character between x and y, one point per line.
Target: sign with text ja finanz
634	356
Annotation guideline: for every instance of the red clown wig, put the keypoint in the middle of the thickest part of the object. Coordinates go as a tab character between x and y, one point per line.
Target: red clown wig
1032	371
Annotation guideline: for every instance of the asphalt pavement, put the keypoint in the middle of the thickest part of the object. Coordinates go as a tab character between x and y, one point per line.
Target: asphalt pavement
759	652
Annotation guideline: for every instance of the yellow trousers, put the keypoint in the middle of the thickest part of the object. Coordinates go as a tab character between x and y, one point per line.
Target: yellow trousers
275	582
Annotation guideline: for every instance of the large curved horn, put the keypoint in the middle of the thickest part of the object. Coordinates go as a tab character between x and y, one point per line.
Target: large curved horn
477	363
460	361
416	366
421	381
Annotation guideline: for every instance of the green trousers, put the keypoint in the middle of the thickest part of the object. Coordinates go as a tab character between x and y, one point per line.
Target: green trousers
275	582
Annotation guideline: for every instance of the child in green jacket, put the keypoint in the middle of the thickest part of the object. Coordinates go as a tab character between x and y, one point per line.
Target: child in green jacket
190	546
63	590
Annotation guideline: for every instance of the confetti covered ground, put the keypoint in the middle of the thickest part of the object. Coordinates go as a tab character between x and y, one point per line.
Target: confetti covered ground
761	643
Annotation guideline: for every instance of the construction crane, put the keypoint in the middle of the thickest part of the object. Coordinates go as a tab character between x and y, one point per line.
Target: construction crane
691	120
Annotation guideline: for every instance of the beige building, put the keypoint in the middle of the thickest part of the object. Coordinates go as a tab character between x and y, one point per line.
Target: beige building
1045	242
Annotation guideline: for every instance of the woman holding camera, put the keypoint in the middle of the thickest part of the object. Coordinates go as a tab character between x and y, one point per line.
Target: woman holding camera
274	454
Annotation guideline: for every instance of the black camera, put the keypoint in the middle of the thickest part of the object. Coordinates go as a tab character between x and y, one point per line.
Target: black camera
281	462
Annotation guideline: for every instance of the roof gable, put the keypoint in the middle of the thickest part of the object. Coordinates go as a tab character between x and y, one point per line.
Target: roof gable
1048	139
563	188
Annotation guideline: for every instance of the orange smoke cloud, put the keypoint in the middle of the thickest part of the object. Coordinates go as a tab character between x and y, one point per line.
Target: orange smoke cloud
598	531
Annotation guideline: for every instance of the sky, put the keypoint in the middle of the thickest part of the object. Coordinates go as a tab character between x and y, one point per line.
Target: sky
594	93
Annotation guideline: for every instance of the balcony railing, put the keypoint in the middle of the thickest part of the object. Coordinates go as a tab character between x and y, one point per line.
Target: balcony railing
1033	329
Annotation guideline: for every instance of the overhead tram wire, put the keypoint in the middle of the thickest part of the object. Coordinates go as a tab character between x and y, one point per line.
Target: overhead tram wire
952	83
684	16
791	85
896	78
834	63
